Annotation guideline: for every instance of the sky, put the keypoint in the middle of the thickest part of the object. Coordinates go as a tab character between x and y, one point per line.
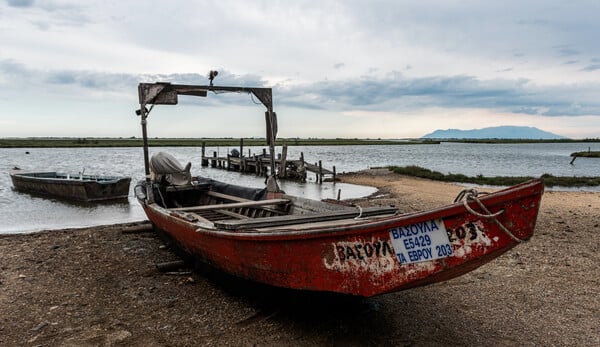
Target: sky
347	68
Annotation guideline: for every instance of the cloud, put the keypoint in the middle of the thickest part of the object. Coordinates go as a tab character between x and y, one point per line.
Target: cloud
19	75
566	51
11	68
45	15
394	92
592	67
20	3
401	56
399	93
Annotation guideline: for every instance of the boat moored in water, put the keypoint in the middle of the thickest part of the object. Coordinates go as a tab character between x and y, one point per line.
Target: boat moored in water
77	187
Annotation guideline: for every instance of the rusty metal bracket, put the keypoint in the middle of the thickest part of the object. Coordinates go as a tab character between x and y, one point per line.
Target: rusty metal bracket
164	93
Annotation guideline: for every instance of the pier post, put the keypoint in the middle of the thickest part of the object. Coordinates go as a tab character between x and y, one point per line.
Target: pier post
317	173
282	163
334	175
320	172
213	162
263	168
302	168
204	160
241	154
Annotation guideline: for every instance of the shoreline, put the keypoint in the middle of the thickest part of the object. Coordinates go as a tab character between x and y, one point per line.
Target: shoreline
348	178
102	142
100	286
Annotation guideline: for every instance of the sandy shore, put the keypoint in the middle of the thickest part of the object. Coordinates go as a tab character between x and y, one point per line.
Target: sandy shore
100	287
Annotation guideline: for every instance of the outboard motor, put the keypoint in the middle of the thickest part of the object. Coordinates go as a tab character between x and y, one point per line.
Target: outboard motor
165	169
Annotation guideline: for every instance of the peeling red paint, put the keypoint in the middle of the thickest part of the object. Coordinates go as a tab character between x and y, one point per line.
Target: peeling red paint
346	259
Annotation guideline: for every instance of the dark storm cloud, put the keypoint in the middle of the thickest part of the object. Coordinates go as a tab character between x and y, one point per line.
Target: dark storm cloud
119	82
405	94
395	92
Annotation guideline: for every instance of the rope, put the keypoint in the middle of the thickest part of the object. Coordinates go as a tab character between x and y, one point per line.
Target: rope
489	215
360	211
471	194
161	197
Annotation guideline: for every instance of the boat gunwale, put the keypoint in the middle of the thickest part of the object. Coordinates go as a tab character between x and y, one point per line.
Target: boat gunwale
529	188
71	189
100	179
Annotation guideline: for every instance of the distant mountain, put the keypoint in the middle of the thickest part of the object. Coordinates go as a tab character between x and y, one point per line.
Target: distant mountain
501	132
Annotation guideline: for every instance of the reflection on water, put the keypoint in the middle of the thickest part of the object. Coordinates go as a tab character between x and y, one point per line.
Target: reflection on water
21	212
32	213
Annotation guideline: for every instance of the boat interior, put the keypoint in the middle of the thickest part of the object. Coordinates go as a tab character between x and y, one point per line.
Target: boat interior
220	205
216	204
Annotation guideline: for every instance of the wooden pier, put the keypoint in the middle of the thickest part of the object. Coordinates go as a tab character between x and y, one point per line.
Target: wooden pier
260	164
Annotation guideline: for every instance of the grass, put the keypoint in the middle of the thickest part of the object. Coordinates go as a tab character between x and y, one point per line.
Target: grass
49	142
549	180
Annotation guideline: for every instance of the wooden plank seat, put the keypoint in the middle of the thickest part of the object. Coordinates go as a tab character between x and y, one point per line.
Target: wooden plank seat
200	187
234	198
226	196
250	203
235	224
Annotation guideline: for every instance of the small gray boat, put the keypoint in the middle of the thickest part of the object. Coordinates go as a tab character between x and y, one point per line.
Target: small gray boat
78	187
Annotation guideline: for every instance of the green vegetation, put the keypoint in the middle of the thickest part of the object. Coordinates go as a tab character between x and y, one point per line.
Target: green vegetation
587	154
48	142
549	180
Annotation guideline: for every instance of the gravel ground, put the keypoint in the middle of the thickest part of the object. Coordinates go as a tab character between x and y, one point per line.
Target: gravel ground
100	287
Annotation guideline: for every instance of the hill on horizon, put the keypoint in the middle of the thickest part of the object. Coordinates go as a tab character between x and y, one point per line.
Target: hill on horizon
500	132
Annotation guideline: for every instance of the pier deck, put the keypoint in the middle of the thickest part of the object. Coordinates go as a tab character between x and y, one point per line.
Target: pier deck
260	164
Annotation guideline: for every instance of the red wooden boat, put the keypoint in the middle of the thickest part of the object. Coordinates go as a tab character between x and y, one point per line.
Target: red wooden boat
270	237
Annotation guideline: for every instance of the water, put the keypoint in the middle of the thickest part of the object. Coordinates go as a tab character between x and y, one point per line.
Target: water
21	212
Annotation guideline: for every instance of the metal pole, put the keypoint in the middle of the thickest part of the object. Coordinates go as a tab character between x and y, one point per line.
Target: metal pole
144	116
272	143
145	138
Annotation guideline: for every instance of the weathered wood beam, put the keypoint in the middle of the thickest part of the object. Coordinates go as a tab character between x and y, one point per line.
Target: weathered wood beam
232	205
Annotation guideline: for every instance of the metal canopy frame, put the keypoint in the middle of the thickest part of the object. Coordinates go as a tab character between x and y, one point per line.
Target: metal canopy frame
161	93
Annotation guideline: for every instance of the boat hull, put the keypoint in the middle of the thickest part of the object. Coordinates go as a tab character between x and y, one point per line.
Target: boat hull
87	189
362	257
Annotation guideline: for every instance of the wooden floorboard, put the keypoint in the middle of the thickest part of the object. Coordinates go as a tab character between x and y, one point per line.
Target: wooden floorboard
300	219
